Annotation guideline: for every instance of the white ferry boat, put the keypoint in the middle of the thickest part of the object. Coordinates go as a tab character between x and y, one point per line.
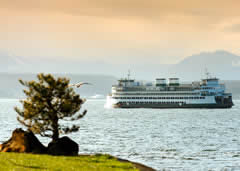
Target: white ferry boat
207	93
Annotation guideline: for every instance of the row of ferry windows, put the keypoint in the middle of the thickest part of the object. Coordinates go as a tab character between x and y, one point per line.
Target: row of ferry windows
151	102
155	94
159	97
208	88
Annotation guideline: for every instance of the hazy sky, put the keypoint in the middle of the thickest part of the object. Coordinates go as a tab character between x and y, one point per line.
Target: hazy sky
119	31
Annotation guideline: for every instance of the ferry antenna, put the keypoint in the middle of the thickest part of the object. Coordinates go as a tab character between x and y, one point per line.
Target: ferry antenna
129	74
207	73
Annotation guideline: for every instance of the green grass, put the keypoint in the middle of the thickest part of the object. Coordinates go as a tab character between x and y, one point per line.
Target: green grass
20	161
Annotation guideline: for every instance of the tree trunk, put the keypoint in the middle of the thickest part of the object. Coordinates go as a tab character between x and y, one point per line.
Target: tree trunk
55	130
55	135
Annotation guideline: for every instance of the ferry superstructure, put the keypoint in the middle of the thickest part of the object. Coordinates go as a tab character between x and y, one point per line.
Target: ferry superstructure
207	93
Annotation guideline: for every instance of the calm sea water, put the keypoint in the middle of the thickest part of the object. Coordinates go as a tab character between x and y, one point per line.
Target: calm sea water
165	139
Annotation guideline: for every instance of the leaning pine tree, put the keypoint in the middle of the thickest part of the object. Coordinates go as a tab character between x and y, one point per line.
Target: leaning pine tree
48	101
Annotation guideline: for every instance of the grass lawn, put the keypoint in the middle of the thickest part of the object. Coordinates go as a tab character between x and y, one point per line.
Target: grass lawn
20	161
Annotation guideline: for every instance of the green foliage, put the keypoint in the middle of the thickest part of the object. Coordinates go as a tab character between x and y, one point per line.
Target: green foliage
19	161
48	101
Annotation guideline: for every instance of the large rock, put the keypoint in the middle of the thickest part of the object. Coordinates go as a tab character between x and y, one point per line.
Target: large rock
23	142
63	146
26	142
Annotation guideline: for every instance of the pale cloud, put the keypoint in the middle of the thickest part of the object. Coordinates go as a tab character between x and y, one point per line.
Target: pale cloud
233	28
150	9
118	30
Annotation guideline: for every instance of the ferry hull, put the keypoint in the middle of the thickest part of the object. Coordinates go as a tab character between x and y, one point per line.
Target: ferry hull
207	106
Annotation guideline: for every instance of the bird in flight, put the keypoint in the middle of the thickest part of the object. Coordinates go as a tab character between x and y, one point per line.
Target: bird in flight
79	84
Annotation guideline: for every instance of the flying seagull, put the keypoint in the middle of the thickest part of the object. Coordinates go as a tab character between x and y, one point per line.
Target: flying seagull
79	84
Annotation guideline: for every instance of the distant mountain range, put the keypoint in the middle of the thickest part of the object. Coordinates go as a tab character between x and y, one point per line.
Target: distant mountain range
101	84
222	64
9	63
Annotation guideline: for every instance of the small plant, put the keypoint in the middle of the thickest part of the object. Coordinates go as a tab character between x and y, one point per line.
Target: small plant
47	102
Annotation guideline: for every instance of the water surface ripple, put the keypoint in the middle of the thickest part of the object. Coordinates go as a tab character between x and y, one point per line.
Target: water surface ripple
165	139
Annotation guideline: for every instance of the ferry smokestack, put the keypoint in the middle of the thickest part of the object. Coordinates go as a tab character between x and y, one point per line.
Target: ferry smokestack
161	82
173	81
